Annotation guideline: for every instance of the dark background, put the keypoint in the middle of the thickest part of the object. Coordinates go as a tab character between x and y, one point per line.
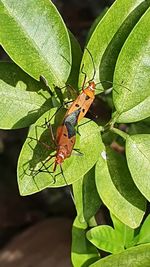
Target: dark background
17	214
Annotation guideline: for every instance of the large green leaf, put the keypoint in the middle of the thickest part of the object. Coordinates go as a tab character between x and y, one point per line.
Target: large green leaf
34	35
133	257
76	59
83	252
23	99
106	238
86	196
144	235
125	232
117	190
133	71
138	158
108	37
30	180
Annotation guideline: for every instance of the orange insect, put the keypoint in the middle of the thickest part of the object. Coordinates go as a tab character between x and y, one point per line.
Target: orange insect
64	141
66	137
86	98
83	101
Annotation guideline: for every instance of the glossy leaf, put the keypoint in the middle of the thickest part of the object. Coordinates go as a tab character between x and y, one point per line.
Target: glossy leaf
138	158
86	196
33	33
105	238
117	190
133	71
23	99
125	232
30	180
144	235
137	257
83	252
108	39
76	59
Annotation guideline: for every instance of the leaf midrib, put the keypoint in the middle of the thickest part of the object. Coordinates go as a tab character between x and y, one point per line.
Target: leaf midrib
31	41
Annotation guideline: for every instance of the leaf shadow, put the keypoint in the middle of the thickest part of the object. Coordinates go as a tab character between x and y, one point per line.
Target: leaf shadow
33	115
110	56
122	180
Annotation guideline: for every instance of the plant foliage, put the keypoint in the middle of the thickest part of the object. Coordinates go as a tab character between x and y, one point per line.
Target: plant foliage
39	44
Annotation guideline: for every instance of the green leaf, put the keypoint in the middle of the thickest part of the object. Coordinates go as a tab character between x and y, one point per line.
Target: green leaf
76	59
117	190
133	257
23	99
105	238
95	23
108	39
125	232
86	197
144	235
133	71
33	153
139	128
83	252
33	33
138	158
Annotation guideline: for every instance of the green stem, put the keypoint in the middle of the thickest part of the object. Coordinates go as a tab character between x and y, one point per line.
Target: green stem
119	132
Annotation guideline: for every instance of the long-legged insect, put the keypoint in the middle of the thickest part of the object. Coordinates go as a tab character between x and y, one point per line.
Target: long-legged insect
64	141
86	97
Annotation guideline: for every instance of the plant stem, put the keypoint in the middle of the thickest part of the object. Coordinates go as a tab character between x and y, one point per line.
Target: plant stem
119	132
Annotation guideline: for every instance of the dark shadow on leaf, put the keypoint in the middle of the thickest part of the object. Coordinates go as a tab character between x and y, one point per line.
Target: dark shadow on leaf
122	179
42	147
108	61
11	74
33	115
81	245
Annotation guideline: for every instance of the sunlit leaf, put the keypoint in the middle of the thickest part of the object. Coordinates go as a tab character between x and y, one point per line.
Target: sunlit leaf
34	35
138	158
33	154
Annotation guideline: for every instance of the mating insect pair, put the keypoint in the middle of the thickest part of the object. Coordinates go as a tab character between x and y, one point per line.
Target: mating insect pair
66	132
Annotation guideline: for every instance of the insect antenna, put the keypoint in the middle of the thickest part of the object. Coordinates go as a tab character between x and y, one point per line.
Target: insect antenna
67	184
119	84
93	65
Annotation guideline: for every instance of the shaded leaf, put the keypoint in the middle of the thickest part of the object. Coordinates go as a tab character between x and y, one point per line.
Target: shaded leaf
83	252
86	196
76	59
23	99
139	128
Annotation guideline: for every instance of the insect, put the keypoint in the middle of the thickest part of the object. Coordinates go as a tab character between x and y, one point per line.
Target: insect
83	101
86	97
64	142
66	137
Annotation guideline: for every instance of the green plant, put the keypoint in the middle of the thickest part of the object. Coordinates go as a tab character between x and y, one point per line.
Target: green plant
36	39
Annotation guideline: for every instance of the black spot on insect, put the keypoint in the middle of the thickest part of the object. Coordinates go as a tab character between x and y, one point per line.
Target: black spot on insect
72	141
77	105
65	134
83	110
87	97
